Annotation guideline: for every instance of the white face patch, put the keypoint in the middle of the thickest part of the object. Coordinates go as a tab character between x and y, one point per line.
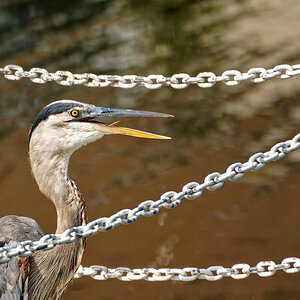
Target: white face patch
58	134
60	108
70	136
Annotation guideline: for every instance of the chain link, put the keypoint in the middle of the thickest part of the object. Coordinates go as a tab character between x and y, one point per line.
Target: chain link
238	271
170	199
154	81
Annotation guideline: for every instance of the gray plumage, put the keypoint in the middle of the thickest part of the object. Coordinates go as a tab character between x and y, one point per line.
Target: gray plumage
60	128
14	229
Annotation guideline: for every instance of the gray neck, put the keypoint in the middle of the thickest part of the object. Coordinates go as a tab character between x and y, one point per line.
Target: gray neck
51	271
50	170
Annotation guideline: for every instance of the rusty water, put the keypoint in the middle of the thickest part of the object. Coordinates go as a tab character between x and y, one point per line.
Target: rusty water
254	219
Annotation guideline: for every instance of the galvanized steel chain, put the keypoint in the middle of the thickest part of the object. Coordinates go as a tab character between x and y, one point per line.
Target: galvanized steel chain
154	81
169	199
238	271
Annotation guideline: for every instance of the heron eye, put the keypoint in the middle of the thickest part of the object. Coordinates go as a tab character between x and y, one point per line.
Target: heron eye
74	113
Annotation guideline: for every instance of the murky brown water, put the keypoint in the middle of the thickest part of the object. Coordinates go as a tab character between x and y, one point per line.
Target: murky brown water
254	219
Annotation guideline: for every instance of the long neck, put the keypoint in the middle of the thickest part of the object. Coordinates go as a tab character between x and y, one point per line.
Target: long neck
50	170
51	271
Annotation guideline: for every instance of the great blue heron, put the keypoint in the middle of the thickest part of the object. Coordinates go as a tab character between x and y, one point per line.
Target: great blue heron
61	128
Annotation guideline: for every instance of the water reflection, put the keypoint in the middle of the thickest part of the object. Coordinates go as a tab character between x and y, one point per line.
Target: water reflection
213	128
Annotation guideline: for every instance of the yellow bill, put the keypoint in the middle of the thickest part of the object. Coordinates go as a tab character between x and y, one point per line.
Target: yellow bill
128	131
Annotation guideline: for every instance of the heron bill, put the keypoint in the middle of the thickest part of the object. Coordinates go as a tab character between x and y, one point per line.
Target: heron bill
128	131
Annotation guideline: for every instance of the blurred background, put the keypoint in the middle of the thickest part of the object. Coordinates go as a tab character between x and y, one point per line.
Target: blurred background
254	219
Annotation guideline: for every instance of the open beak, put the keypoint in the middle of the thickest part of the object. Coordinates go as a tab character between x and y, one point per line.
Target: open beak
99	112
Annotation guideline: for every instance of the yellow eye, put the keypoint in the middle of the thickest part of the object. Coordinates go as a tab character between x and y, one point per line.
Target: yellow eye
74	113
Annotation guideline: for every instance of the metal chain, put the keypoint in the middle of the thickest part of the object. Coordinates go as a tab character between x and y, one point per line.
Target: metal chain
177	81
238	271
169	199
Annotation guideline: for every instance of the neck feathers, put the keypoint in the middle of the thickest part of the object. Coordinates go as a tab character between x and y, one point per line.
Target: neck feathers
50	170
52	271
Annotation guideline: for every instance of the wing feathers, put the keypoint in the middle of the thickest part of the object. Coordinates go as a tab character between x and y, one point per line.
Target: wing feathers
14	274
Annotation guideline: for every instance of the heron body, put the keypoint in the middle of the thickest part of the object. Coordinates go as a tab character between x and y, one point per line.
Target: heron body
60	128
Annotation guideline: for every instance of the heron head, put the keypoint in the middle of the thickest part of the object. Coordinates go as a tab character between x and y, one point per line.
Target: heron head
67	125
